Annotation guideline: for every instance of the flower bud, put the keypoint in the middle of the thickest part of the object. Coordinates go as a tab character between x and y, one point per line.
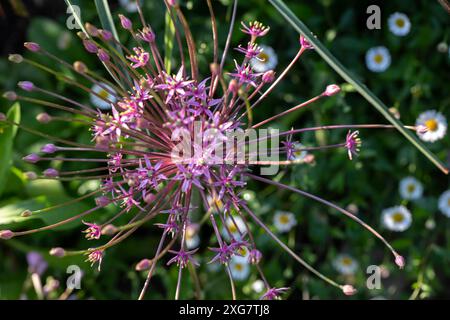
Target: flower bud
400	261
6	234
268	76
30	175
16	58
90	46
147	35
331	90
109	230
102	55
144	264
91	29
149	198
80	67
49	148
31	158
43	118
348	290
125	22
26	85
10	95
233	86
57	252
2	116
26	213
32	46
102	201
106	35
51	173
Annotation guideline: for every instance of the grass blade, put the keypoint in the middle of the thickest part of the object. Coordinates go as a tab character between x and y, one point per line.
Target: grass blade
7	134
169	35
301	28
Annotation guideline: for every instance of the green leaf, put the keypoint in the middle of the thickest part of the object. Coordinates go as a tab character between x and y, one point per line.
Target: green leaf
169	35
7	134
301	28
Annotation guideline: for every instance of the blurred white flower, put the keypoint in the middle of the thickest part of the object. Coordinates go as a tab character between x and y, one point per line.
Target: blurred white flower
235	226
435	123
444	203
265	61
129	5
396	218
284	221
345	264
378	59
104	92
399	24
192	238
240	268
410	188
258	286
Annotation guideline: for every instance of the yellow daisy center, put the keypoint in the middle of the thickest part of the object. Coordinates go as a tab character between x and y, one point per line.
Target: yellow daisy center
378	58
233	228
411	188
400	23
398	217
431	124
284	219
264	57
346	261
103	94
238	267
448	202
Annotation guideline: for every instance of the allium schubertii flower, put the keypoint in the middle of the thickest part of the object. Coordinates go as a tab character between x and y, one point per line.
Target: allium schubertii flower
160	137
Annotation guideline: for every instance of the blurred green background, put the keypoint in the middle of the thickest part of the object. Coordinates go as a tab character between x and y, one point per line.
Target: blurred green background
417	80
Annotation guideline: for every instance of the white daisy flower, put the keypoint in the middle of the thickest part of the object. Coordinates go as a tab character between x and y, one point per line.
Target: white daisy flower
235	226
265	61
396	218
444	203
299	154
240	269
410	188
104	91
258	286
399	24
129	5
435	123
192	238
284	221
378	59
345	264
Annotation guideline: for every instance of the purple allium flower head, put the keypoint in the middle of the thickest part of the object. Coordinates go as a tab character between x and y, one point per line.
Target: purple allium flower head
157	152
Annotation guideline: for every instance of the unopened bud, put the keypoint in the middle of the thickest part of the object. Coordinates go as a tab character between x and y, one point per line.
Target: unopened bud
348	290
6	234
31	158
16	58
233	86
80	67
109	230
125	22
90	46
51	173
268	76
102	201
144	264
30	175
32	46
49	148
10	95
26	213
26	85
91	29
331	90
57	252
400	261
102	55
43	117
106	35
